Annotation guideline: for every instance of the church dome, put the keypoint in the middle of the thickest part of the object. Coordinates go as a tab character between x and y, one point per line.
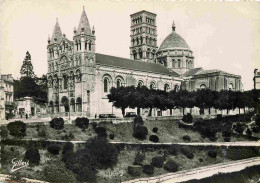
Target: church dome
173	40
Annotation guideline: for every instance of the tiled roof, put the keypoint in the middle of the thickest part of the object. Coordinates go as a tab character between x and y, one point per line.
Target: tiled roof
210	71
192	72
173	40
133	65
84	24
56	33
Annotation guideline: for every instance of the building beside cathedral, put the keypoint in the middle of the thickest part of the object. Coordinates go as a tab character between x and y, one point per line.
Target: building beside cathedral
79	79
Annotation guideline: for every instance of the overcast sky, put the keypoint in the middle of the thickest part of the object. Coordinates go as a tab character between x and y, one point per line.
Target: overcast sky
222	35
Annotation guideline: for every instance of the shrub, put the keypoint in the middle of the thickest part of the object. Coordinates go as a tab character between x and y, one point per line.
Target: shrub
155	129
257	120
154	138
57	123
111	136
226	133
227	139
219	117
33	156
82	123
148	169
187	118
213	139
187	151
172	151
105	153
101	131
68	146
241	153
138	120
212	153
3	132
205	128
56	172
171	166
54	149
248	132
140	132
17	128
134	170
201	160
186	138
157	161
239	128
94	125
83	164
139	158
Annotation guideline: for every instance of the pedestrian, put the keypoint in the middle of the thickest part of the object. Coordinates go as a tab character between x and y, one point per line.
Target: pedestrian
95	116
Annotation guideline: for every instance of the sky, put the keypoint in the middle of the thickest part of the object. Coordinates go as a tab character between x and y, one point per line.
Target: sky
222	35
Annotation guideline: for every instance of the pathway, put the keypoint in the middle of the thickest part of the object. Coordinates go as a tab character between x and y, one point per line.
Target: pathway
201	172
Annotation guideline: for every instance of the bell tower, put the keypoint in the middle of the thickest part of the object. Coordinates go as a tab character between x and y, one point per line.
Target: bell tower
143	36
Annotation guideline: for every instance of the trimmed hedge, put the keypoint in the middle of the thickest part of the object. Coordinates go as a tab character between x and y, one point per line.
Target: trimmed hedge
82	122
101	131
171	166
17	128
57	123
172	151
139	158
187	151
148	169
54	149
138	120
33	156
186	138
154	138
111	136
155	129
134	170
140	132
212	153
187	118
157	161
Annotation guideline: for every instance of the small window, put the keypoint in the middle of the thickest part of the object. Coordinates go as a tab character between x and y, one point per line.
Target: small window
105	85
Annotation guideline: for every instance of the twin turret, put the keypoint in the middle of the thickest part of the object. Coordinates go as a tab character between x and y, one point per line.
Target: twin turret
83	39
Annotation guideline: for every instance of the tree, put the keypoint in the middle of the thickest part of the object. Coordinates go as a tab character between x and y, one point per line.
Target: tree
120	97
204	99
27	68
185	99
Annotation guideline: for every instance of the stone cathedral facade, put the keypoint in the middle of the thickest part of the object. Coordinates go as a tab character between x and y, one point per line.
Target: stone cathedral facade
79	79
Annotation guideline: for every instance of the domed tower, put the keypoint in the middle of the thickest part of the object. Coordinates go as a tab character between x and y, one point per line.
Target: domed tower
175	54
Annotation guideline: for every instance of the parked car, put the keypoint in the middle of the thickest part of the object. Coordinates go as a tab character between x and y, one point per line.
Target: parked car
130	114
107	116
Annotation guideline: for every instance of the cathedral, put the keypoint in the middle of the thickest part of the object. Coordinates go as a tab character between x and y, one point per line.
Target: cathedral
79	79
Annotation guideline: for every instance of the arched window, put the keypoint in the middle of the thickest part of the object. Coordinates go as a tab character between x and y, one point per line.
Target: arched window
78	76
72	104
89	46
176	88
135	55
230	87
140	53
86	45
51	107
118	83
152	86
203	86
79	104
166	87
179	63
105	85
65	82
140	84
